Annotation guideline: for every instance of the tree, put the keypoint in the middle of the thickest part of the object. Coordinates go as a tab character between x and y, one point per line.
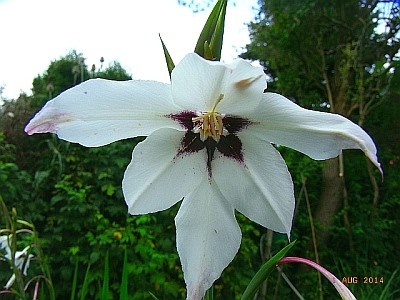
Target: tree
336	55
61	74
114	71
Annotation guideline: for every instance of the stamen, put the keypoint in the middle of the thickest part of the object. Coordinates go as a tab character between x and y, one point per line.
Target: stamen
210	123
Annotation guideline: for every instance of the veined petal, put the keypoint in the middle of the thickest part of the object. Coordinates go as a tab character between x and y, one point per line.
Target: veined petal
207	237
157	177
98	111
198	84
261	187
317	134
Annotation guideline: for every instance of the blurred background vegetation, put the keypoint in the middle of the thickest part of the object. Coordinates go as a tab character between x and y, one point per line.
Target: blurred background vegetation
339	56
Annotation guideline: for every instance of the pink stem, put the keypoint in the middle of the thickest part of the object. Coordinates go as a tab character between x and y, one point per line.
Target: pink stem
339	286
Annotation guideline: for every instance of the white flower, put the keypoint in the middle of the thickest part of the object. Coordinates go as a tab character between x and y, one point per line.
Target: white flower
21	260
209	142
5	240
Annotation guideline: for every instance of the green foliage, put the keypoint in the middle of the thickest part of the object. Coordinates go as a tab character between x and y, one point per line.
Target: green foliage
28	269
14	182
319	52
124	281
371	282
114	71
59	76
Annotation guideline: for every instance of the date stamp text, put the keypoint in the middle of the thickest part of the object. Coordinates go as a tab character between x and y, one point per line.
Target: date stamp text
363	280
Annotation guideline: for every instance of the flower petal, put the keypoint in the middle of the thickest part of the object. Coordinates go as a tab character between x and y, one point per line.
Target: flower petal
317	134
157	177
10	282
261	187
5	241
208	237
99	111
198	83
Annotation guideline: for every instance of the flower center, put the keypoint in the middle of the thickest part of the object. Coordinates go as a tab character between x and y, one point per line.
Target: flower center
209	124
212	131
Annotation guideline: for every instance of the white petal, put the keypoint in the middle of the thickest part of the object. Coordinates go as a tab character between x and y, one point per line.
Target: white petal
99	111
208	237
10	282
317	134
5	240
261	187
26	266
198	83
157	178
20	257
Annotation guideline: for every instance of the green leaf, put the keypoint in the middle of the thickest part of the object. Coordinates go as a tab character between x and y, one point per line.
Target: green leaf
209	294
209	44
105	292
264	272
74	281
124	281
168	59
385	293
207	50
153	296
85	284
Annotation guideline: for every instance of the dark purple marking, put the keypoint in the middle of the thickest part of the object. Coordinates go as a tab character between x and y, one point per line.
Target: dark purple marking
184	118
191	143
235	124
228	145
210	144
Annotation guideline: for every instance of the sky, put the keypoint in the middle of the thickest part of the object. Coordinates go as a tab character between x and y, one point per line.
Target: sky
35	32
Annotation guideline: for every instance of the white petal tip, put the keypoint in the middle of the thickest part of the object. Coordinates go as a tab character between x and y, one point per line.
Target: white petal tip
31	129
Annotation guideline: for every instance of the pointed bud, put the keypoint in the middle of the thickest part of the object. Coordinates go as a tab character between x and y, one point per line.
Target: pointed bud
209	44
168	59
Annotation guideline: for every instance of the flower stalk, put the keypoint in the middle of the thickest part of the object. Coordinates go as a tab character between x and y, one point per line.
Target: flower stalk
19	260
344	292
